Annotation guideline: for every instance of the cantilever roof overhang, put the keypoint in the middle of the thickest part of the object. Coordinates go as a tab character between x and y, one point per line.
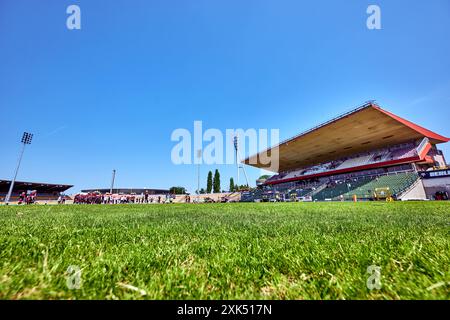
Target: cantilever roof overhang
362	129
38	186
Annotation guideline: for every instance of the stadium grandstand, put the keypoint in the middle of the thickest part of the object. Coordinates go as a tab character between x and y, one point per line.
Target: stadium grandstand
352	156
44	191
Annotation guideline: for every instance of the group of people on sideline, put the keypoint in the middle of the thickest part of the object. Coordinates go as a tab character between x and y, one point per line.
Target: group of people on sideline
27	198
98	198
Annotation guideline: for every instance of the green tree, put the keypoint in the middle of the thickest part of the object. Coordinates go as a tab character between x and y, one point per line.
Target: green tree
202	191
242	187
209	182
177	190
231	185
216	182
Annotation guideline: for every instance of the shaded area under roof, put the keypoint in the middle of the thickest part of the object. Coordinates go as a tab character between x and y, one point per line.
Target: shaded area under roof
38	186
363	129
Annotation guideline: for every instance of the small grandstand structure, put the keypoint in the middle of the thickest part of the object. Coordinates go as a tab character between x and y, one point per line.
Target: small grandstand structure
351	156
44	191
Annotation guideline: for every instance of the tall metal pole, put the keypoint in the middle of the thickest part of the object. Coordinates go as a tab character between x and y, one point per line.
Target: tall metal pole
237	160
8	196
198	181
237	167
112	182
242	166
199	155
26	139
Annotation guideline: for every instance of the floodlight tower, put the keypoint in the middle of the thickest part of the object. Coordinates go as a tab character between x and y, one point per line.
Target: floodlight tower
199	157
238	155
112	181
236	142
26	139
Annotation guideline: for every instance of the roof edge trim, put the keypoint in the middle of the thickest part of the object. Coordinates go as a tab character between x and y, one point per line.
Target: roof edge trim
427	133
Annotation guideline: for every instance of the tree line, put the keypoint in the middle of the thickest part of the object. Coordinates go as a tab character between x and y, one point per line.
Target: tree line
212	185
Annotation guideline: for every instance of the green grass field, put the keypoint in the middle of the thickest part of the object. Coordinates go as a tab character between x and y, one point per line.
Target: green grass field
226	251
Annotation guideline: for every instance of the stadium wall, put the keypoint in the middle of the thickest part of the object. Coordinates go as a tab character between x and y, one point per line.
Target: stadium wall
217	197
436	181
415	192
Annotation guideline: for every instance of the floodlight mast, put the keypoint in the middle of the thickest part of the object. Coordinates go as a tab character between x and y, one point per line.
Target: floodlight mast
238	156
26	139
237	160
199	156
112	181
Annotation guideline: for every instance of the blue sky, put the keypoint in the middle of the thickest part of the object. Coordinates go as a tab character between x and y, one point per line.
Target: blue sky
109	95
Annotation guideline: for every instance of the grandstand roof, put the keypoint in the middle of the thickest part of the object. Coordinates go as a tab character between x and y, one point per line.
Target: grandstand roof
38	186
363	129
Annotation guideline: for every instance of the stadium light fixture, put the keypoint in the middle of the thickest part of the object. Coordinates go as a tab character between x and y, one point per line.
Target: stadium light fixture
26	139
